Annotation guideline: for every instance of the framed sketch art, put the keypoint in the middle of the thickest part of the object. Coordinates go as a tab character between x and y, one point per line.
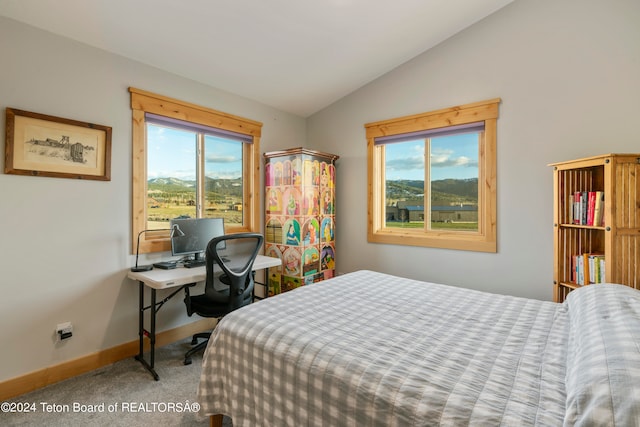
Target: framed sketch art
42	145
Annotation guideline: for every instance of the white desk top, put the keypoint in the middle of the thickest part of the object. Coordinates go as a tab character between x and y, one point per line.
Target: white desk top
162	279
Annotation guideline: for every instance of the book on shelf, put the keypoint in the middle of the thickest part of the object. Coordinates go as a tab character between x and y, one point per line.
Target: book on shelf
577	207
595	267
591	206
588	268
598	212
586	208
571	209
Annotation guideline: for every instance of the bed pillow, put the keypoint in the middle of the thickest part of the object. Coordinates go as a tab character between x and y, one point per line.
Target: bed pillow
603	356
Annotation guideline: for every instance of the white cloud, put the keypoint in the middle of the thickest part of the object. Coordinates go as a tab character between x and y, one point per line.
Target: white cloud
406	164
214	158
445	158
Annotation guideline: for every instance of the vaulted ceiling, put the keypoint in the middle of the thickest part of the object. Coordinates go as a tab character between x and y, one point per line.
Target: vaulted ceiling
295	55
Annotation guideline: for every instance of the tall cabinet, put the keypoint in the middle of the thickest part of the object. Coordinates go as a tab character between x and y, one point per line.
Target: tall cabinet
596	222
300	217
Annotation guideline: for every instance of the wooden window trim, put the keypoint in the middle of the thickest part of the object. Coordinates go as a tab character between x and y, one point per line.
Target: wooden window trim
146	102
483	240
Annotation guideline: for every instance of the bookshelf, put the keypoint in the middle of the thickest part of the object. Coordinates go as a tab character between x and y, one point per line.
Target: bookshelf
615	240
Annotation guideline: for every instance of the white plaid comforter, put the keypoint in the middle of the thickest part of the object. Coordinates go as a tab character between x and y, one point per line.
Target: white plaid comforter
370	349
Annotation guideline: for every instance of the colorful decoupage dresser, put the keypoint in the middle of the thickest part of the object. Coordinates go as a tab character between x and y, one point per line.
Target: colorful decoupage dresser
300	217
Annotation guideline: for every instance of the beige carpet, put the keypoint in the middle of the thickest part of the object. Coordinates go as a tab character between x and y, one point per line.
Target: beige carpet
122	394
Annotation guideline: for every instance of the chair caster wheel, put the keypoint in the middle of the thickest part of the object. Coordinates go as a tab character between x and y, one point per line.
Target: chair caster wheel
187	361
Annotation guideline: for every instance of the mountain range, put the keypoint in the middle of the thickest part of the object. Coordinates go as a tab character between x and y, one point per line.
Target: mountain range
230	187
442	191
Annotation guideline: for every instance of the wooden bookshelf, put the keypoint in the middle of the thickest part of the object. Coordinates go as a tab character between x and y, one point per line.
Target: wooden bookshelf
617	238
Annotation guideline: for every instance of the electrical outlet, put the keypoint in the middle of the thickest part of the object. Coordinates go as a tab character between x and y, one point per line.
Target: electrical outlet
64	330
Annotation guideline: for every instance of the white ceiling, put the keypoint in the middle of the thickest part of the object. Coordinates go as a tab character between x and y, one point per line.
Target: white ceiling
296	55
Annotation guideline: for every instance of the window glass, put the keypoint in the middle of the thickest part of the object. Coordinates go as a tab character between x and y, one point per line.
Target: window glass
171	175
454	182
404	180
450	170
223	179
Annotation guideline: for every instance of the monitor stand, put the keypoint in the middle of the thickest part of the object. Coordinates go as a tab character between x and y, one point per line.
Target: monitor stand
197	261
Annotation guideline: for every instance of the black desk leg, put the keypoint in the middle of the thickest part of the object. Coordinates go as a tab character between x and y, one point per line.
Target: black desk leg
142	332
152	335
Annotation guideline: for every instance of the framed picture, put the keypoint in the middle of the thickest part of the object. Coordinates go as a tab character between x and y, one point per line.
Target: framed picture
42	145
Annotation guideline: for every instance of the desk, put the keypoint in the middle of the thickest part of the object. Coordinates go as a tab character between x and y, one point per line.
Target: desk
175	279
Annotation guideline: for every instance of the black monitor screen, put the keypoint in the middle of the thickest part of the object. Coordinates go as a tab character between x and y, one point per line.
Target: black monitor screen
197	234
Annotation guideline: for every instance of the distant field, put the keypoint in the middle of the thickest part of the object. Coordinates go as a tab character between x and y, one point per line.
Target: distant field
461	226
158	217
169	198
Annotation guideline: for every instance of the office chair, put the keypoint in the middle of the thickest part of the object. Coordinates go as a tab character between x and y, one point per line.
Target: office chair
243	249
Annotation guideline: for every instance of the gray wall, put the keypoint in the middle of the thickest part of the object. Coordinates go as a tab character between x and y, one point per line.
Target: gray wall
65	244
568	73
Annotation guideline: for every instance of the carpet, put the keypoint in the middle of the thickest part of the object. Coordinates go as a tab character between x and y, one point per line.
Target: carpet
121	394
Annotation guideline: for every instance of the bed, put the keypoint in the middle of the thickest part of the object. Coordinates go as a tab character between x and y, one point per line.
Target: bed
371	349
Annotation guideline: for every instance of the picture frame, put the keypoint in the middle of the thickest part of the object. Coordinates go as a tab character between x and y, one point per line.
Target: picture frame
44	145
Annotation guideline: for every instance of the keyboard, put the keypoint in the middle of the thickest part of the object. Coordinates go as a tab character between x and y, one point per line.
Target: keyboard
190	263
194	263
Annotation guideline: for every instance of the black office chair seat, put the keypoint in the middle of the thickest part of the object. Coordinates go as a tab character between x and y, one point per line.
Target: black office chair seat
239	279
211	304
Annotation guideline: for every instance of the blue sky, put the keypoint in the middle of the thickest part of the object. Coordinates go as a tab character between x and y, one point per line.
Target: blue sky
453	156
172	153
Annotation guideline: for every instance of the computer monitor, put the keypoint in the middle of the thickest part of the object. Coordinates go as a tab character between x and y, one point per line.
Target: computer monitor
197	234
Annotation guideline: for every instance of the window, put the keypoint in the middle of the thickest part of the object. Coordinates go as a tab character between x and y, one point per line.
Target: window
190	161
432	178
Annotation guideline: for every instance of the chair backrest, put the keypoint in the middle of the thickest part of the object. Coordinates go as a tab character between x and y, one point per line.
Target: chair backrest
237	263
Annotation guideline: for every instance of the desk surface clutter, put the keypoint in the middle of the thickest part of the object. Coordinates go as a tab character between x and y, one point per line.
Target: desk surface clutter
161	279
